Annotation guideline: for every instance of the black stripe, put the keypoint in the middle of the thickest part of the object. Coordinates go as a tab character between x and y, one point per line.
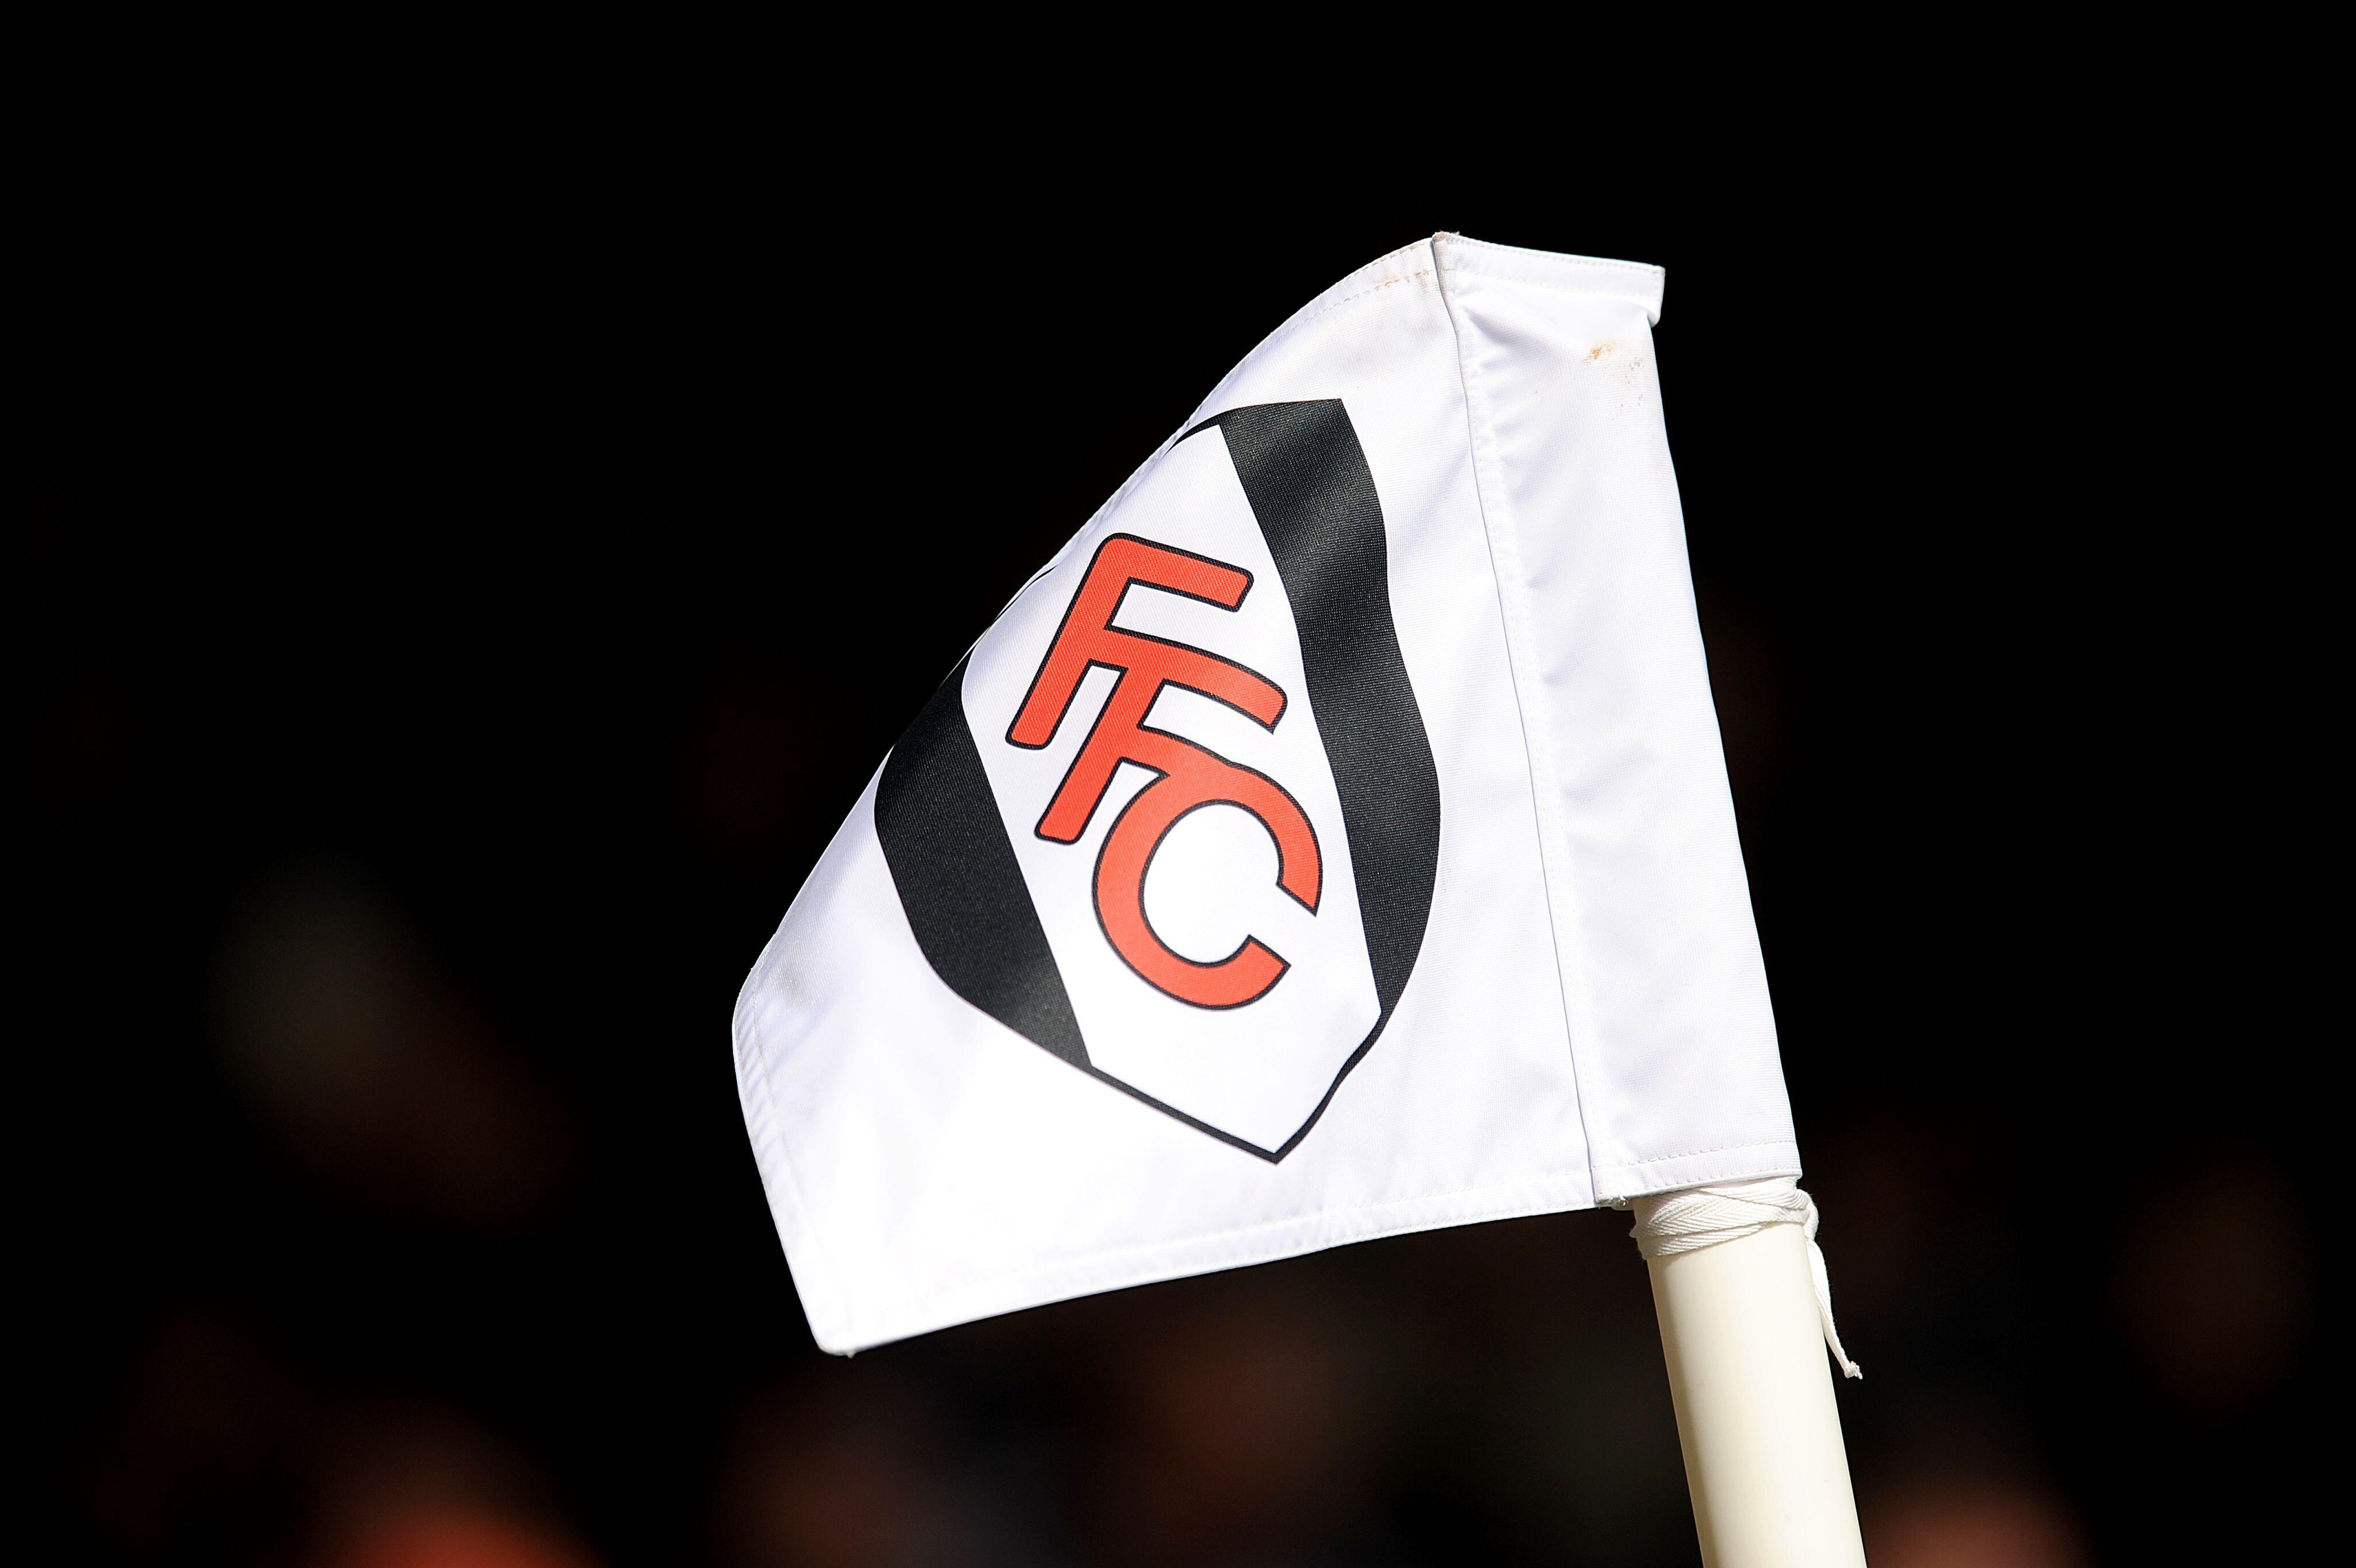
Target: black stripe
1309	485
960	882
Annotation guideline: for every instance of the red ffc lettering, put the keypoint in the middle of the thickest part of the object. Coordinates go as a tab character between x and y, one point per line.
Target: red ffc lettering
1187	778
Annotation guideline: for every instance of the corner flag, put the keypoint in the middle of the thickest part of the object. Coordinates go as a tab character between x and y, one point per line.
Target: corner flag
1331	840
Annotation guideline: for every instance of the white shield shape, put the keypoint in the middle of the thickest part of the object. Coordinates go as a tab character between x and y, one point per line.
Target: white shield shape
1175	818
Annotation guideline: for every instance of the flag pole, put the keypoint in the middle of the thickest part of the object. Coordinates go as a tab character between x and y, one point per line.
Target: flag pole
1745	1345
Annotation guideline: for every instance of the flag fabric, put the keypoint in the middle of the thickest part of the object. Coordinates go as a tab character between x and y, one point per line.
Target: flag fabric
1331	840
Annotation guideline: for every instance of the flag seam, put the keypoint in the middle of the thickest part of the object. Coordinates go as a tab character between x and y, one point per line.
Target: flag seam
1505	566
1552	273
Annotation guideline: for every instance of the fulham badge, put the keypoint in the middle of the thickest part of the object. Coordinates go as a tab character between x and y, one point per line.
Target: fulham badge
1176	820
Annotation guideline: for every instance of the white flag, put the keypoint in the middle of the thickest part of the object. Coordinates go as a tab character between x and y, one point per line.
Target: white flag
1333	840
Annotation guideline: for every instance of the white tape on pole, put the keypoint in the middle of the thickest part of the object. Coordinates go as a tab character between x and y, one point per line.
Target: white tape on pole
1674	1222
1743	1314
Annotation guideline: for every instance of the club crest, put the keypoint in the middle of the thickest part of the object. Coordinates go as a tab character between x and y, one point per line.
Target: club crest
1175	819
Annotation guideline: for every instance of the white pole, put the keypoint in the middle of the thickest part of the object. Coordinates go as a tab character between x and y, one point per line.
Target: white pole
1739	1326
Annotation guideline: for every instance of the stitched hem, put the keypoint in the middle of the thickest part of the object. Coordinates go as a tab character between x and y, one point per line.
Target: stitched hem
1501	527
1674	1173
1639	282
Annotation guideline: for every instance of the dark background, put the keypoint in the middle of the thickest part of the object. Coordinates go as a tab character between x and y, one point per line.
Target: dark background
457	594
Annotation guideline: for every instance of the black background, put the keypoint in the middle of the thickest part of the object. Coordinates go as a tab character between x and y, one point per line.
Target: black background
516	552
